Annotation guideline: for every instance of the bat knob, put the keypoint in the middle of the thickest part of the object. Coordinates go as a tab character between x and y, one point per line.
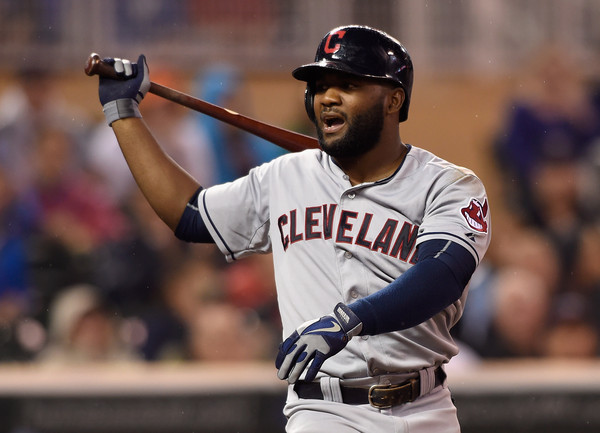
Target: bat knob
91	65
95	66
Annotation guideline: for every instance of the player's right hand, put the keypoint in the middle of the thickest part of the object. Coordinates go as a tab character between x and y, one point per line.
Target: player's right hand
133	81
120	97
313	342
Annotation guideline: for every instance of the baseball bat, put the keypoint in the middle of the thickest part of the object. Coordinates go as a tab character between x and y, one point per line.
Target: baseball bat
284	138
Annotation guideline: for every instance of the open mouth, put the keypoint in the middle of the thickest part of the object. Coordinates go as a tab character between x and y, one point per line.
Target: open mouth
332	122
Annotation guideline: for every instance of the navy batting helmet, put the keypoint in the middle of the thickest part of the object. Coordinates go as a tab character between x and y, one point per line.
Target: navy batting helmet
361	51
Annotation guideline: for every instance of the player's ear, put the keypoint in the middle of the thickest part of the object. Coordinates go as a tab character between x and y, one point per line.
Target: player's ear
395	100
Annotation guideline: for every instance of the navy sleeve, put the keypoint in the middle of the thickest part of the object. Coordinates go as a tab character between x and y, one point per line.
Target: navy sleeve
191	227
442	271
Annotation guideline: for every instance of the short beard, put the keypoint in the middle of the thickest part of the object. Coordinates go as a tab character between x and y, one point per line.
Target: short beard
362	135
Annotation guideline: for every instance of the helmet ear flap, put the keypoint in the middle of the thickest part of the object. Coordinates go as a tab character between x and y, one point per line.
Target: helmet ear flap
405	105
309	101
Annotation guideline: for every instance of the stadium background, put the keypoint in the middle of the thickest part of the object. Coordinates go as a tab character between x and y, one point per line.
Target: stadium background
473	61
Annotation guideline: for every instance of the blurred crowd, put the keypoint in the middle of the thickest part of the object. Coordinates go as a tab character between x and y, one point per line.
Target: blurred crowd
88	273
537	293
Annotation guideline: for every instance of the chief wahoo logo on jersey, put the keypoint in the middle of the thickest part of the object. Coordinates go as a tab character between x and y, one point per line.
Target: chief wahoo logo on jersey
476	215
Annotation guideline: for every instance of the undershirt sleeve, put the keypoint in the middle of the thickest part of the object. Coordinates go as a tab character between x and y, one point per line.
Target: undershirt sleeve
191	227
437	280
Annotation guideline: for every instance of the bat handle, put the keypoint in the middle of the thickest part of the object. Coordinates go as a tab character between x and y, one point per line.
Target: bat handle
95	66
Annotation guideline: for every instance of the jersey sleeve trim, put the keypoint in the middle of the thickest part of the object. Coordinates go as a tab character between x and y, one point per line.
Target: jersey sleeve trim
451	237
213	228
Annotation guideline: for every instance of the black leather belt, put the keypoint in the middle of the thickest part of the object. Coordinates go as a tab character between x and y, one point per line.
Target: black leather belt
379	396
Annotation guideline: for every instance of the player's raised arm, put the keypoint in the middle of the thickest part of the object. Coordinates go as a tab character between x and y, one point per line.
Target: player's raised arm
166	186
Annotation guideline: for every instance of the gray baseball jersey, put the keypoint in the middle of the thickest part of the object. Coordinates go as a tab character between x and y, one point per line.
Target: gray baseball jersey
333	242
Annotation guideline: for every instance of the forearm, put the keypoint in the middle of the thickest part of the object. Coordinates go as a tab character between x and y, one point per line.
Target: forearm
436	281
166	186
408	301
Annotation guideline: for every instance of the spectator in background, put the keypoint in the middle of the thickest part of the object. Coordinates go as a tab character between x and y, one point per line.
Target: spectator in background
20	335
77	219
32	21
574	330
550	148
524	251
223	332
553	119
185	289
250	285
522	302
31	104
132	267
17	218
162	16
572	338
82	329
202	315
234	151
30	107
492	328
587	273
531	249
590	179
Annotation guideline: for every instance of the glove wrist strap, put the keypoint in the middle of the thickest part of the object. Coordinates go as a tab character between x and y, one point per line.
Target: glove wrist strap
349	321
120	109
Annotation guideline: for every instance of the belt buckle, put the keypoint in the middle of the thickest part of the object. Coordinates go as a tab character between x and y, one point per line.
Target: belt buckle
386	400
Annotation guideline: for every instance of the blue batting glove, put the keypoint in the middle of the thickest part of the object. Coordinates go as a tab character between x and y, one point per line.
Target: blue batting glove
120	97
315	341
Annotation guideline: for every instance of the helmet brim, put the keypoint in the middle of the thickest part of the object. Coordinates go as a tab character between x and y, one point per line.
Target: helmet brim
310	71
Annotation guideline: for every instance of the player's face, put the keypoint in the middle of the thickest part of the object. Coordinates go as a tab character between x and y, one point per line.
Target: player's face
349	114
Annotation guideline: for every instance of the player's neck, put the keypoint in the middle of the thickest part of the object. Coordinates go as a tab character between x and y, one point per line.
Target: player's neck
379	163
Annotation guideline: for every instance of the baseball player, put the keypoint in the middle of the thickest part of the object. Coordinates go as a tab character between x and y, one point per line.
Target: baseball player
373	240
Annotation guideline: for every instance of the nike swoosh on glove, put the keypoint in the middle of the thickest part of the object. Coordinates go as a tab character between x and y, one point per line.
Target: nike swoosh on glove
315	341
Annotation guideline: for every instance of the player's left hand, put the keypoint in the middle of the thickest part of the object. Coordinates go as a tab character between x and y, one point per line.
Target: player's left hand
316	341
